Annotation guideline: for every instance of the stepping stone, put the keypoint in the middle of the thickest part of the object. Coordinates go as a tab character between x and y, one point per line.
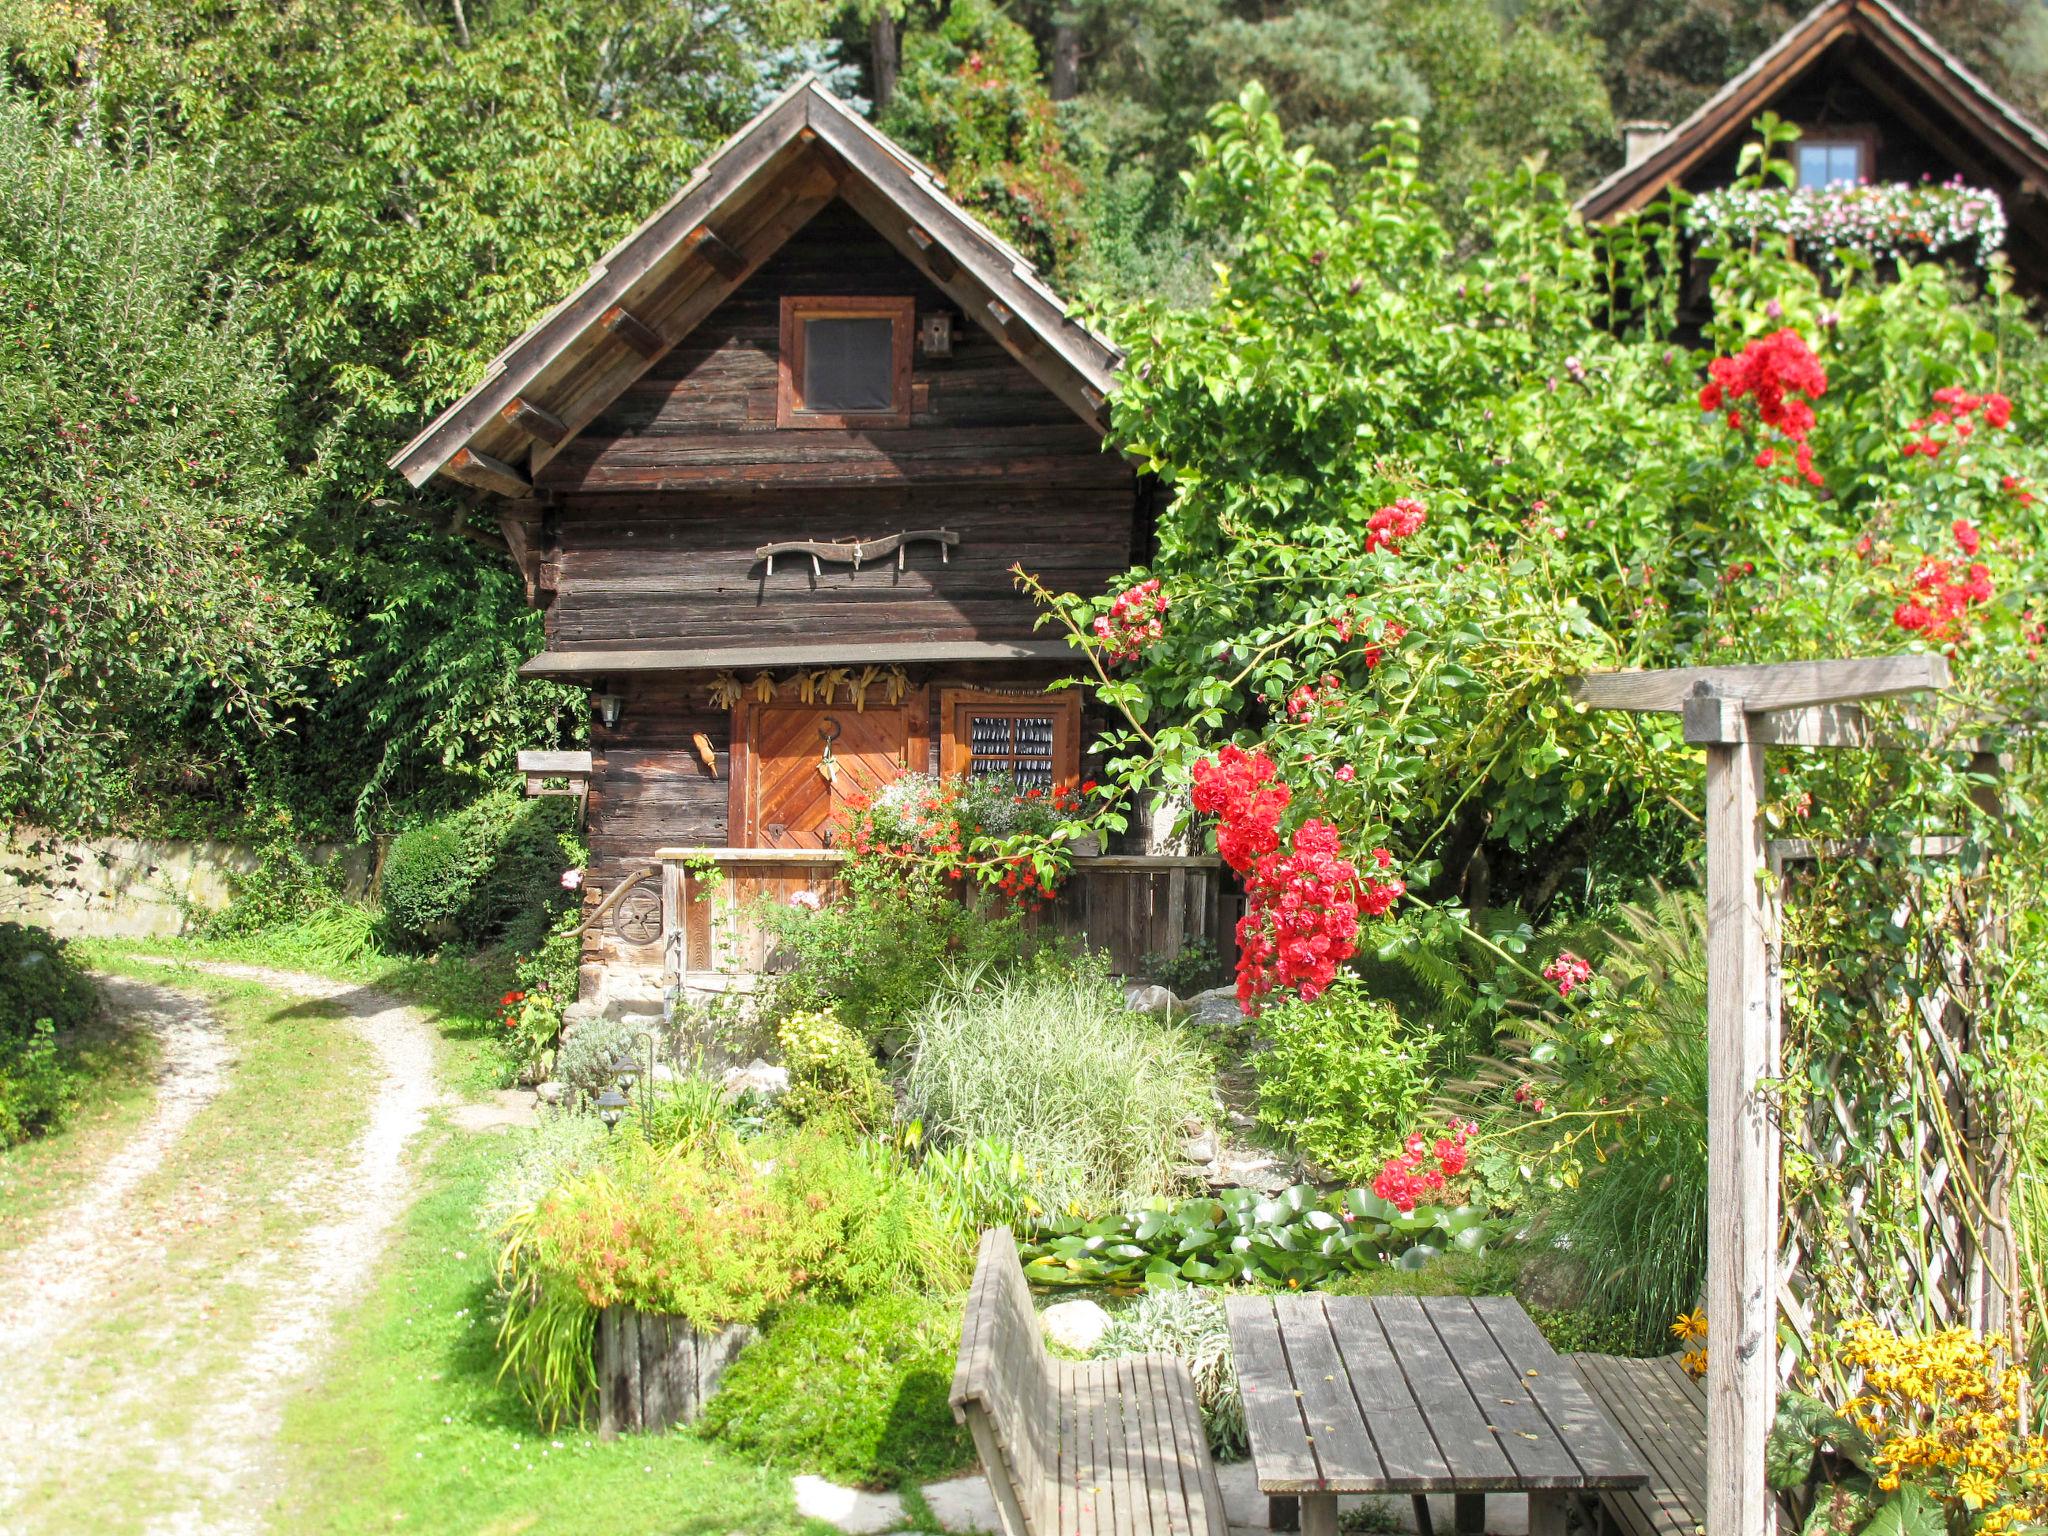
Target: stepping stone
850	1509
963	1505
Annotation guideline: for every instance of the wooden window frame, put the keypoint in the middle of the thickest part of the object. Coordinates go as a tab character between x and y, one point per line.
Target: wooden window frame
799	308
958	705
1864	137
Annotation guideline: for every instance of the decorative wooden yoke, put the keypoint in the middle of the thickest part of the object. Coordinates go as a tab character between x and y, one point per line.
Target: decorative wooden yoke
1101	1445
1735	713
855	552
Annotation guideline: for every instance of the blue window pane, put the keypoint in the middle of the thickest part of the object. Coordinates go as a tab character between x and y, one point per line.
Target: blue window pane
1822	164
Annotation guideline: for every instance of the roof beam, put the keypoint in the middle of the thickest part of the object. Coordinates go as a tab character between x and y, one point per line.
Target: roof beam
536	421
487	474
943	266
725	261
636	333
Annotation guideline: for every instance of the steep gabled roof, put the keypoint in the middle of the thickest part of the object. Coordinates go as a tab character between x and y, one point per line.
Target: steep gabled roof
1999	132
661	281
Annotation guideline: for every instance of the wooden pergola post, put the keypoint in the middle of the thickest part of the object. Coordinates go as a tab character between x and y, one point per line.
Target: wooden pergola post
1735	713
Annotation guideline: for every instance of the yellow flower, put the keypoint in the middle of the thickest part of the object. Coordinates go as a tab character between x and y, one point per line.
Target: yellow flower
1977	1489
1694	1363
1690	1327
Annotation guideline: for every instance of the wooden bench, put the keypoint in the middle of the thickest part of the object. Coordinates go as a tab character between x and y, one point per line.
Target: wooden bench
1076	1448
1662	1412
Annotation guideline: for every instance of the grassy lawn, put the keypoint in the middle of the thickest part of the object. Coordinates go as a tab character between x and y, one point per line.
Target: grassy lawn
43	1172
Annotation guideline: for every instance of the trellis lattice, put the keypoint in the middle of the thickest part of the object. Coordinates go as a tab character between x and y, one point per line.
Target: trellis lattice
1909	1226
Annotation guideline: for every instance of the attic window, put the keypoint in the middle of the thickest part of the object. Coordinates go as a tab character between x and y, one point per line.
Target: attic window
1832	162
846	362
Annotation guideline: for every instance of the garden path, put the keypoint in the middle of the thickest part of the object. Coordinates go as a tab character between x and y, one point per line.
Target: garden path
80	1374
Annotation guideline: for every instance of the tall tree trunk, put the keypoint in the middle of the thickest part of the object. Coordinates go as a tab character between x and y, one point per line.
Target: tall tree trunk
882	38
1066	56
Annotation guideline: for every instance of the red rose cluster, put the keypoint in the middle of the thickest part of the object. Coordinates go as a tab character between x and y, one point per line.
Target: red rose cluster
1957	410
1568	971
1387	527
1242	790
2016	487
1311	697
1942	596
1782	376
1134	621
1407	1179
1350	625
1303	898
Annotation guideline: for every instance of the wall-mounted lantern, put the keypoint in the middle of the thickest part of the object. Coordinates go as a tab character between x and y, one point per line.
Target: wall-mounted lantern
607	704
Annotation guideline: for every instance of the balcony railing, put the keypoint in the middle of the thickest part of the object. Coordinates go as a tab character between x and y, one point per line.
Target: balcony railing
1132	905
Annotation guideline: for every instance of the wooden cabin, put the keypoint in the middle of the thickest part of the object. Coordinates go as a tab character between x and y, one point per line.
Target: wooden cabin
1876	99
767	473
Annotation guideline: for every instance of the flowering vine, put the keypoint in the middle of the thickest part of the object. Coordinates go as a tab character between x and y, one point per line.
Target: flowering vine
1135	619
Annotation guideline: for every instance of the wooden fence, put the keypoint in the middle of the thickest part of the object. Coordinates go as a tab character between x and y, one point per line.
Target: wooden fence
1131	905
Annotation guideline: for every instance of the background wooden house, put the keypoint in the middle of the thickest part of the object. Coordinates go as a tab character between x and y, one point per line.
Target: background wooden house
1877	99
767	472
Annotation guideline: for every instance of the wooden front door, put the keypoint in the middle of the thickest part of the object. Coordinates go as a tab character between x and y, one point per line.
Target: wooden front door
807	765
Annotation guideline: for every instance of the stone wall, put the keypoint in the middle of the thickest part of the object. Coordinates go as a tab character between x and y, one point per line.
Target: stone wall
133	888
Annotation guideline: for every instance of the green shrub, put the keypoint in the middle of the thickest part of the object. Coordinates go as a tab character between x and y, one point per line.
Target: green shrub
1602	1116
287	887
584	1062
488	872
862	1219
544	984
876	952
1342	1080
1188	1323
1051	1063
38	980
681	1232
44	1000
832	1072
855	1393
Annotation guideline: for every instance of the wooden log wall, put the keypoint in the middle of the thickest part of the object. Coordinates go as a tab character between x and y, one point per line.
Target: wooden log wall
661	503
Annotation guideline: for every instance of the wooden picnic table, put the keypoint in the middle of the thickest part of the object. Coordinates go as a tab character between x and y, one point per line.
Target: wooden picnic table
1445	1394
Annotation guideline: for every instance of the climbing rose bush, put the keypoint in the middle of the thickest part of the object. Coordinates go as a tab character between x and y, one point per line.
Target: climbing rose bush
1303	898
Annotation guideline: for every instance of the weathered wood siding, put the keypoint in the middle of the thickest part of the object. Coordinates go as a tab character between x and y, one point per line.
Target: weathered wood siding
661	504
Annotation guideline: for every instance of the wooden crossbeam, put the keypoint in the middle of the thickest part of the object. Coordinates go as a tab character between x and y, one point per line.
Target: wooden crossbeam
519	529
633	331
534	419
935	255
1777	685
725	261
488	474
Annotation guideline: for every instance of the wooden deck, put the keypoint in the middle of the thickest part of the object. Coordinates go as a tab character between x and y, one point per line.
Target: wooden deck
1662	1413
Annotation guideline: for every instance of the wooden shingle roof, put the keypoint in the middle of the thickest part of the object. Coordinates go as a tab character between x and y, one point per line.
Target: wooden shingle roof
660	282
1996	130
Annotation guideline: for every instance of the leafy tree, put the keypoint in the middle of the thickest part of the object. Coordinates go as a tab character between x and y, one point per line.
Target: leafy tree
152	606
970	102
1413	493
405	191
